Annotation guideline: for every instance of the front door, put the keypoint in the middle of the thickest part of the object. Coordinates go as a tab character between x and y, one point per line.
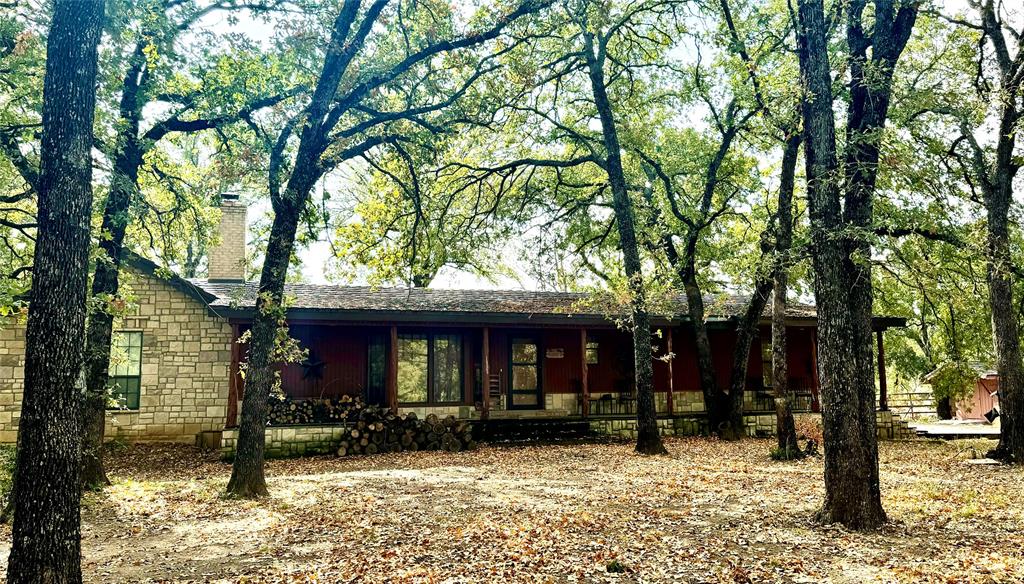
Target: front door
524	369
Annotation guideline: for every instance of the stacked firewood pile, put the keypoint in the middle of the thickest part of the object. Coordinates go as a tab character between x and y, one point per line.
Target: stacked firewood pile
372	429
378	430
287	412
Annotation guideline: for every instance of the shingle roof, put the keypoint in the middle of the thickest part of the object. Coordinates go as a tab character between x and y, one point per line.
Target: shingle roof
238	299
330	298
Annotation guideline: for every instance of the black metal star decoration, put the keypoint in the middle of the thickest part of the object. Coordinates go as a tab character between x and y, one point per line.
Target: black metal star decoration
313	367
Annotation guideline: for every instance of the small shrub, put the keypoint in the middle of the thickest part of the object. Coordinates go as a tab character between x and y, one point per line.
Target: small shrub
615	567
6	472
780	454
118	443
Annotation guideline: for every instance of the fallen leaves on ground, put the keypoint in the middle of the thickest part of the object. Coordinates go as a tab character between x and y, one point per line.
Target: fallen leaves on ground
709	512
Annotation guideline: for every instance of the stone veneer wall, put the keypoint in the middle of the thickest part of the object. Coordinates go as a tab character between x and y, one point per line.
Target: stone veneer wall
459	411
888	424
683	402
186	354
286	441
12	377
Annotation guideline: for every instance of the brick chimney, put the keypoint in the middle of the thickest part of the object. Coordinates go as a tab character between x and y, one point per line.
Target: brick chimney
227	258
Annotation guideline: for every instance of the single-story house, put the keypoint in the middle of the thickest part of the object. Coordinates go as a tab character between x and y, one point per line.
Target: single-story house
468	353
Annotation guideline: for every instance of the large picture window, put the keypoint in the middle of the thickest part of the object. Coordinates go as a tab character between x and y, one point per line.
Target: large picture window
447	368
766	364
413	362
125	370
429	368
376	368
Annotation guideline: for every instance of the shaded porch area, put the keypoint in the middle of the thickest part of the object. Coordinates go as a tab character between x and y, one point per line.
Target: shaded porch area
507	371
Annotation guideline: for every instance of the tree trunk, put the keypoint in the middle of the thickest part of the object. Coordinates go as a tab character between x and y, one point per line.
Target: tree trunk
106	279
105	285
785	425
746	331
944	408
46	536
247	479
1005	325
648	438
715	401
841	256
852	493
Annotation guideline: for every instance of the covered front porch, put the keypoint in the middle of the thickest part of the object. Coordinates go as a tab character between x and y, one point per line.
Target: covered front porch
507	370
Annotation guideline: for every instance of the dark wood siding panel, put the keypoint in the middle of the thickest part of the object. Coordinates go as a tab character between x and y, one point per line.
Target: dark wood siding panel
723	344
660	365
801	357
684	367
343	352
614	369
561	375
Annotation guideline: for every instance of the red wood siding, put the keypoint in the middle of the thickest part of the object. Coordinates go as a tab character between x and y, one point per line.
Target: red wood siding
343	349
562	374
982	401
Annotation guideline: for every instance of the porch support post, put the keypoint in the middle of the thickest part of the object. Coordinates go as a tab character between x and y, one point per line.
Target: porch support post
391	385
231	420
671	358
883	391
585	406
485	368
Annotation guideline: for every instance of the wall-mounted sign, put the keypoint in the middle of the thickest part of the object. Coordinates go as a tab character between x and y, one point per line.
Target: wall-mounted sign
555	353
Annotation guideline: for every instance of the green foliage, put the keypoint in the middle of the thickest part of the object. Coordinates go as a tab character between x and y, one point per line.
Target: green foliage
615	567
7	457
286	349
786	454
953	380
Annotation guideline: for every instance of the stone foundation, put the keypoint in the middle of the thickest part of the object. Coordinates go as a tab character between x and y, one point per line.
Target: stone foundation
889	425
286	441
461	412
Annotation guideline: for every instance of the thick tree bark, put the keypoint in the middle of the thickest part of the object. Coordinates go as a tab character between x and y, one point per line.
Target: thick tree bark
996	180
323	112
46	545
648	438
785	425
1005	325
746	332
716	403
247	477
840	260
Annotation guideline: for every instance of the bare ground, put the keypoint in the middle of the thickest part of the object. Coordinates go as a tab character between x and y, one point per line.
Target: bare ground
709	512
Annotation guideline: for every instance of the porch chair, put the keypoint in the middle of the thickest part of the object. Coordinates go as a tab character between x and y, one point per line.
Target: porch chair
627	395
